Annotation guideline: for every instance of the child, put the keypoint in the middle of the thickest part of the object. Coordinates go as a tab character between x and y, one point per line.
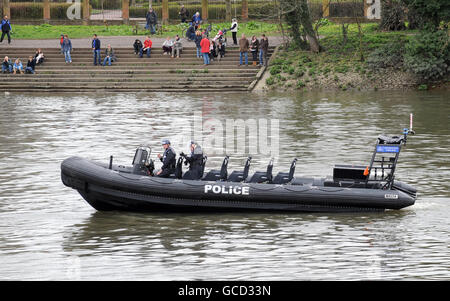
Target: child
221	50
18	66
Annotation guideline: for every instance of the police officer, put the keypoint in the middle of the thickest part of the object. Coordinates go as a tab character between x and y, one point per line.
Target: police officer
168	160
195	160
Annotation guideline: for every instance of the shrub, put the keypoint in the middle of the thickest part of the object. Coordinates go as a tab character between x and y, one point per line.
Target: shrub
290	70
270	81
275	70
300	84
299	73
389	55
428	55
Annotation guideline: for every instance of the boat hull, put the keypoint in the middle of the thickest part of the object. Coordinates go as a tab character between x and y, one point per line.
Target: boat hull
109	189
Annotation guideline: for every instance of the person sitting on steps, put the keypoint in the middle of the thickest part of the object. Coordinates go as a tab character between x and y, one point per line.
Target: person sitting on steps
167	46
7	65
109	55
31	64
18	66
137	46
147	47
177	47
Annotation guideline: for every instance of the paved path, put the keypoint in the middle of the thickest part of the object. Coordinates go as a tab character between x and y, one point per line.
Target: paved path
115	41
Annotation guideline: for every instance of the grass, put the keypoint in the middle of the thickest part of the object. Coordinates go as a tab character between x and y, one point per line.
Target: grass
46	31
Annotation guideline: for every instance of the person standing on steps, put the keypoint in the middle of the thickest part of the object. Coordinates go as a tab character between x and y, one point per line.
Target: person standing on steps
243	50
254	47
96	49
205	45
67	49
6	28
234	30
197	40
263	50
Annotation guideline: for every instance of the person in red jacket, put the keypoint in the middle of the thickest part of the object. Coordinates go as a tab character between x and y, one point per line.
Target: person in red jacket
205	45
147	47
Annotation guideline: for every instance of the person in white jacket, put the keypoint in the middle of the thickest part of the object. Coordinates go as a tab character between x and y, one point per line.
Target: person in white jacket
167	46
234	30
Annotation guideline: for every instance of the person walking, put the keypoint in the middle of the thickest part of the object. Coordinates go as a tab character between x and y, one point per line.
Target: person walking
243	50
96	46
6	28
205	45
234	30
67	49
263	49
152	20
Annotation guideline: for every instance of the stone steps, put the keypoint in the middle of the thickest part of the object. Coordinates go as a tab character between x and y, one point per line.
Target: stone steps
130	73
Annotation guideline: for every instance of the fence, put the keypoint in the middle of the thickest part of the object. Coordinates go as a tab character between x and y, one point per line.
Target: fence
168	10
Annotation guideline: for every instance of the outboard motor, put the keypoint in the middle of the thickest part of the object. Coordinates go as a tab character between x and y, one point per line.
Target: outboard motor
141	163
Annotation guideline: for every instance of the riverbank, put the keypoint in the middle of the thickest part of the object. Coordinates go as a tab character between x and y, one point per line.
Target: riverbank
346	65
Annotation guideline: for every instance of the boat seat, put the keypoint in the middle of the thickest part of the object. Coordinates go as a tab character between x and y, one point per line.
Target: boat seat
284	177
178	174
205	158
263	176
239	176
218	175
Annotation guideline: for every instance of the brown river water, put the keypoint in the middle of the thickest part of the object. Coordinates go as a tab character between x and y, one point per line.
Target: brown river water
48	232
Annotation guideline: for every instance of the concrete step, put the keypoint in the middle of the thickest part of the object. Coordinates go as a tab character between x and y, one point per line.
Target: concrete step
150	69
22	90
78	77
168	86
126	80
137	83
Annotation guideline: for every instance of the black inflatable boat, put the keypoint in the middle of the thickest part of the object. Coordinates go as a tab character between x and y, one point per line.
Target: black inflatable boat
350	188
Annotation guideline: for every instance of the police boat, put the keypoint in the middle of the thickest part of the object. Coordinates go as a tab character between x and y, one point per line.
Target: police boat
351	188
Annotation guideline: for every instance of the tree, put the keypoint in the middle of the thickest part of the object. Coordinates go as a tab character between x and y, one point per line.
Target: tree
429	13
392	15
297	16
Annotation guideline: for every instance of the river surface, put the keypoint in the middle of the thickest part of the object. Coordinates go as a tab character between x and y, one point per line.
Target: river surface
48	232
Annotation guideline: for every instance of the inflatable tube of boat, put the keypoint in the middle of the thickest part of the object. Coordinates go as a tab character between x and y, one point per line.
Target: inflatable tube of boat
111	189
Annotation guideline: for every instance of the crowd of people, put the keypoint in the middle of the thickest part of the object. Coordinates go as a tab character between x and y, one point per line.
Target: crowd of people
208	49
67	49
18	68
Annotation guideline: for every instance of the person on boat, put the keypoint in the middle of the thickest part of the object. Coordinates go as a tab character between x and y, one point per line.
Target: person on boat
168	160
195	160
